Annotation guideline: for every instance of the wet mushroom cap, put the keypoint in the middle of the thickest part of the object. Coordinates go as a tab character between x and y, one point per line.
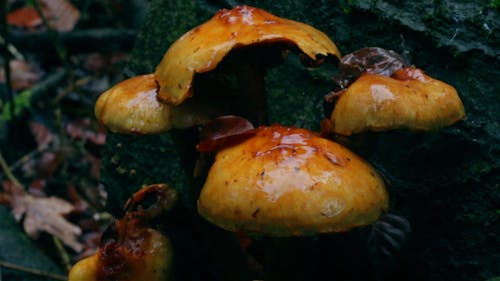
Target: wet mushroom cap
203	48
130	249
145	256
287	181
409	99
131	107
85	269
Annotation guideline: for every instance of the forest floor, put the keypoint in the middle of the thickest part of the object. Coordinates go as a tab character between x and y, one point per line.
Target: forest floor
57	57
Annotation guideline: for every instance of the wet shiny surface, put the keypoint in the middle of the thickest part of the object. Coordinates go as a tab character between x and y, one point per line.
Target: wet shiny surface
372	60
131	107
224	131
203	48
287	181
409	99
130	249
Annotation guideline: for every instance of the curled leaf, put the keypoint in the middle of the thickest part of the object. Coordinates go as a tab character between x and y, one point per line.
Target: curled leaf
224	131
45	215
373	60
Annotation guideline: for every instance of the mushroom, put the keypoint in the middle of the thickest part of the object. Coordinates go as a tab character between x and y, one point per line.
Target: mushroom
131	107
287	182
226	55
130	248
203	48
394	97
247	40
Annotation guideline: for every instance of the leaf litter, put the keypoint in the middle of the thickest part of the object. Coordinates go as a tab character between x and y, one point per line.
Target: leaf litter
42	214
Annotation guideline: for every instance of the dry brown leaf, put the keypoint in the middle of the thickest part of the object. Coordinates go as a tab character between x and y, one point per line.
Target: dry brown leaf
49	162
81	129
46	214
23	74
61	14
43	136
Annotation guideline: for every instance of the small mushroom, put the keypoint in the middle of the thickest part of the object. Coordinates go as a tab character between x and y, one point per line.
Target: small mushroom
409	99
379	92
145	254
287	181
131	107
130	248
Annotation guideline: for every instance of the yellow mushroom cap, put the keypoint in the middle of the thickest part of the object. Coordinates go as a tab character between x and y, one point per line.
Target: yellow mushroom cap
145	256
131	107
130	249
409	99
287	181
85	269
203	48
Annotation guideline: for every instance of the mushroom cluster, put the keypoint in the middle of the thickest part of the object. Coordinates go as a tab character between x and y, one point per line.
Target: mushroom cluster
188	88
270	180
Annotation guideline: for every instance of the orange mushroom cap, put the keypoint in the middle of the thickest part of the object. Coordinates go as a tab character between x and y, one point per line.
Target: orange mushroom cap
203	48
131	107
145	255
134	251
409	99
287	181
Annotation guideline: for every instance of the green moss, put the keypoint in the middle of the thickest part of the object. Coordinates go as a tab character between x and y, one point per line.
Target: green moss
495	4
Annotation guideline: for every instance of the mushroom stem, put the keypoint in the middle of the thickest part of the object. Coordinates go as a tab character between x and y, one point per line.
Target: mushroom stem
250	78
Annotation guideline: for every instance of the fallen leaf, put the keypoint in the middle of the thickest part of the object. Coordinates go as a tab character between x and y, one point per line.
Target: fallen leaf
224	131
61	14
103	62
81	129
25	17
37	187
43	214
48	163
23	75
79	205
43	136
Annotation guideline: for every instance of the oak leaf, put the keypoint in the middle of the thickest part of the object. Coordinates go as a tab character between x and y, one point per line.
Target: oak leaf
46	214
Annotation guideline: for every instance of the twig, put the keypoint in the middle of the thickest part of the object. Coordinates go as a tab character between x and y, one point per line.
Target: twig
39	91
43	88
62	253
8	173
70	88
11	48
33	271
26	158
